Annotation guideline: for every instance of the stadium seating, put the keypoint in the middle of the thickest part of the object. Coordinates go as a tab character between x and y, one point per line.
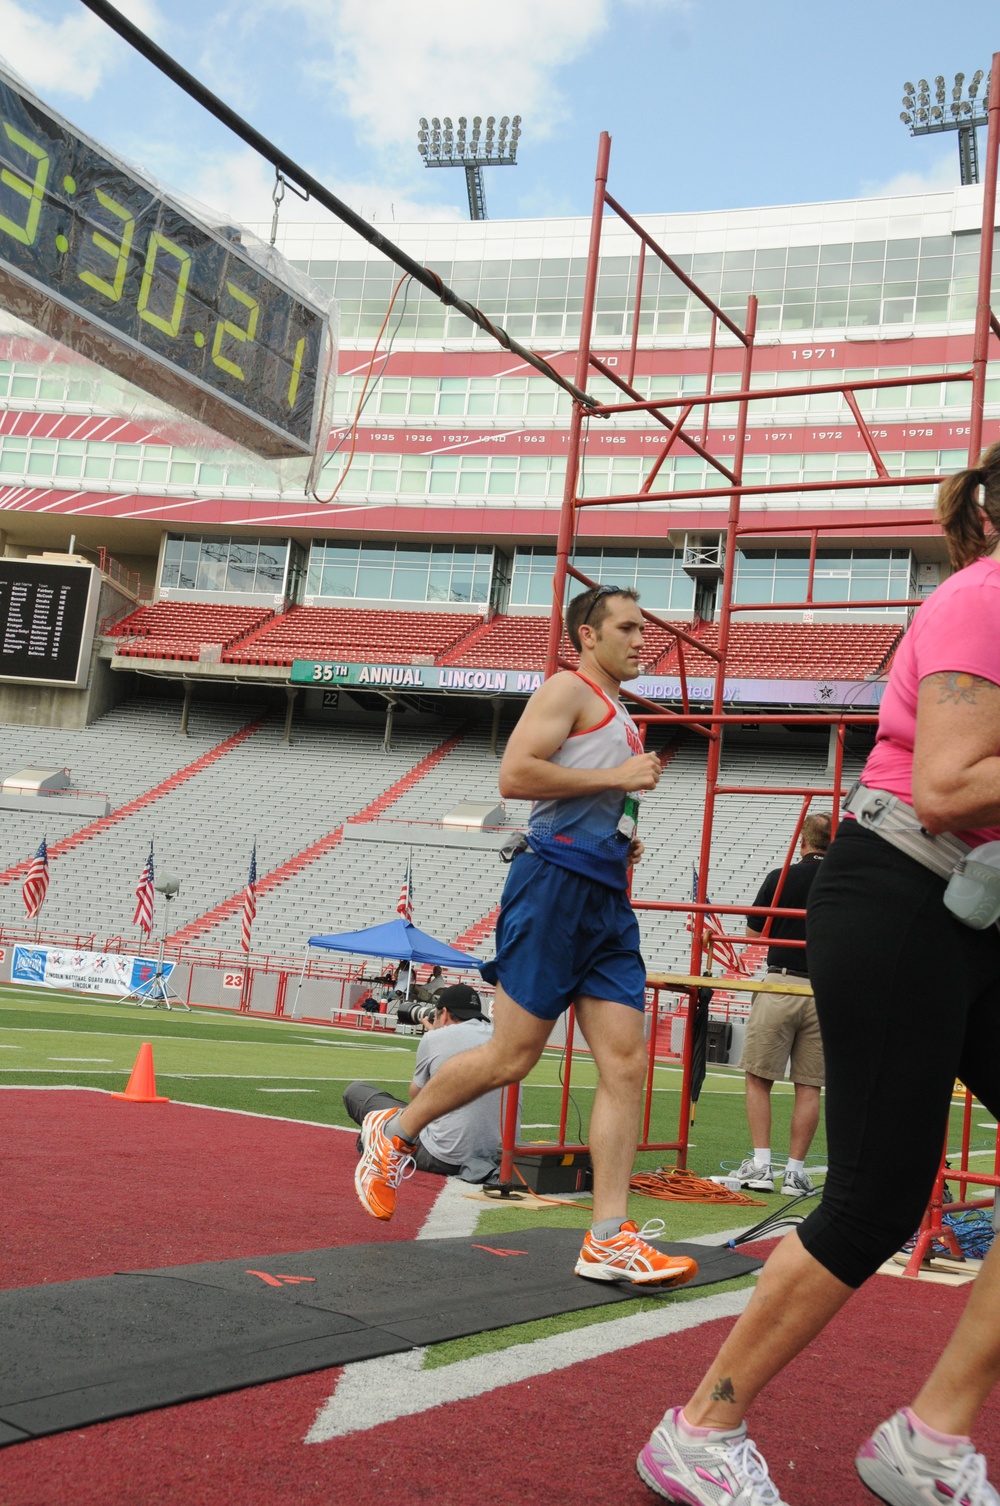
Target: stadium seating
509	643
131	749
456	890
792	651
282	797
758	650
251	635
177	629
352	634
750	832
289	799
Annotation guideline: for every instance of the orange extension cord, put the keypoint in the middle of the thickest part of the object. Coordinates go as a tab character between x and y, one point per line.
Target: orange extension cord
673	1185
669	1184
556	1202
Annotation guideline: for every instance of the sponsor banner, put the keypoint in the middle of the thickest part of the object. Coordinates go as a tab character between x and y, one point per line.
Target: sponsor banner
859	695
113	973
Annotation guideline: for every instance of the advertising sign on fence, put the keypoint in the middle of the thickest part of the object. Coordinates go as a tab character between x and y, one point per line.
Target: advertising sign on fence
859	695
113	973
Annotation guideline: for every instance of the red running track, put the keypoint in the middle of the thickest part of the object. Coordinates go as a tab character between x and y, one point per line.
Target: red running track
92	1185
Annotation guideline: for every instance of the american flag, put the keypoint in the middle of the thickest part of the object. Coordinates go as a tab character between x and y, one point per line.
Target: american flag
249	902
36	881
405	906
143	917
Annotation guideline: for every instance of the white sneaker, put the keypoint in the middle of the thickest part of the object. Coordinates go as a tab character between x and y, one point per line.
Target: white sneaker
895	1469
748	1174
797	1184
722	1470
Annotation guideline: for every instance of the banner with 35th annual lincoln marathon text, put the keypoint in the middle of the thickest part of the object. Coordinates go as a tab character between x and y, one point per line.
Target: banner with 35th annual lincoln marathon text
113	973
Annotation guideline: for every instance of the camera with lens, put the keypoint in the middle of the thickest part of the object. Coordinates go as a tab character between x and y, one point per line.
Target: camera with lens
416	1014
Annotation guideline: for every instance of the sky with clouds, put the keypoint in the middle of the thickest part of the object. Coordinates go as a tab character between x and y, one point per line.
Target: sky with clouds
712	104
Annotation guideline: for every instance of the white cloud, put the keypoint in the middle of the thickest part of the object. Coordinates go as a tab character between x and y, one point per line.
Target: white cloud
241	185
941	173
392	61
71	56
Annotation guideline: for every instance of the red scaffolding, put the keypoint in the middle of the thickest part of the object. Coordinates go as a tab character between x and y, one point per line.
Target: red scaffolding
686	422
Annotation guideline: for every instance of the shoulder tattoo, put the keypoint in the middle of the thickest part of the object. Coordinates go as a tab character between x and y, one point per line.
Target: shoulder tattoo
957	688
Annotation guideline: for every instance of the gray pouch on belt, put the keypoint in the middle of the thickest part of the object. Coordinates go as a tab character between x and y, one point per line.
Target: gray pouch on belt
515	843
973	892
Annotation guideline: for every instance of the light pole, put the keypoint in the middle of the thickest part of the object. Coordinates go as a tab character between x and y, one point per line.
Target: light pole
441	145
926	117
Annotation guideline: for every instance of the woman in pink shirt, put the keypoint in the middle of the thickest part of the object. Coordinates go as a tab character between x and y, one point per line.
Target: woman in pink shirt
908	999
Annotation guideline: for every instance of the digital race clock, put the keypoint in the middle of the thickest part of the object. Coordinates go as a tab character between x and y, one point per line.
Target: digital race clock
94	255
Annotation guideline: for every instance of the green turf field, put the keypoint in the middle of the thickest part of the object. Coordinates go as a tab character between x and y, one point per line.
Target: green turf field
298	1071
288	1069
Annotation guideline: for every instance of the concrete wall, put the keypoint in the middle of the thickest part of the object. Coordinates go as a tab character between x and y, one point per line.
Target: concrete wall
52	706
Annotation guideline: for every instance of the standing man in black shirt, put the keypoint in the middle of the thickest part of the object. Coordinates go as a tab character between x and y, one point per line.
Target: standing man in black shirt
785	1025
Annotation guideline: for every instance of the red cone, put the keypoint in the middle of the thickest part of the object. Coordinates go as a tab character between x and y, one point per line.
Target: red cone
142	1084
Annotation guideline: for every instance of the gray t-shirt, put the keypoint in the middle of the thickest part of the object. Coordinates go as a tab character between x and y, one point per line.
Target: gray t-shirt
467	1137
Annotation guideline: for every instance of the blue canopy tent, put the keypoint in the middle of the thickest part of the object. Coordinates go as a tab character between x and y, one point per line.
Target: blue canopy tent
400	939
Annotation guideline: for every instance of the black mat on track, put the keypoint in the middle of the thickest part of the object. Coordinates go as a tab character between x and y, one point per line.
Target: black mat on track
78	1352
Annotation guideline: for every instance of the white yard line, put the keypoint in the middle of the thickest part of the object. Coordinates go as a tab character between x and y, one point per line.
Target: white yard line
197	1076
209	1108
453	1216
130	1035
373	1392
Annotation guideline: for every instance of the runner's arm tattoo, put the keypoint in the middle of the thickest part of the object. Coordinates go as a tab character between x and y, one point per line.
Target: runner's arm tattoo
957	687
723	1390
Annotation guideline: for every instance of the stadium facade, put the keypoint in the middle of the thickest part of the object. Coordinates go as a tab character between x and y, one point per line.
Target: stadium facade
434	559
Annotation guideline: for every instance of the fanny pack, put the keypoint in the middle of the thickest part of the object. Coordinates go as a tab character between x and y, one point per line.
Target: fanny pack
515	843
972	893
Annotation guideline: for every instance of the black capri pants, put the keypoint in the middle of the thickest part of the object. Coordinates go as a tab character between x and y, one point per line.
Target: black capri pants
908	1000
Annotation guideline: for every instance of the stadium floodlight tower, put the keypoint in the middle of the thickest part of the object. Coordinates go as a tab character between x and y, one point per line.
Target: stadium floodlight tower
157	990
926	118
441	145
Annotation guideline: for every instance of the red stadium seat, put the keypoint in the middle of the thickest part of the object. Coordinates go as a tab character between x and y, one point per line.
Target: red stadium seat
255	635
353	634
792	651
177	629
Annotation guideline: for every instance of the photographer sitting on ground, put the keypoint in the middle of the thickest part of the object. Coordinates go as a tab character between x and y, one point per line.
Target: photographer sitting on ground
464	1143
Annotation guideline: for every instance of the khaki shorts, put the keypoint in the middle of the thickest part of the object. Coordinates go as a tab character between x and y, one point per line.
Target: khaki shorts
782	1026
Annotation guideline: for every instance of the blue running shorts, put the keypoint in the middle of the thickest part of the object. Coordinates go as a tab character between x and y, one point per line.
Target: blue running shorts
560	936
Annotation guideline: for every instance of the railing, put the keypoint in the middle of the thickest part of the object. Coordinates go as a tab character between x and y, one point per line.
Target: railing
265	984
114	618
72	793
128	581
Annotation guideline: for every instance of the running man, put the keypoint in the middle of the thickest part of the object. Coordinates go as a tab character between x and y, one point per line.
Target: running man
566	935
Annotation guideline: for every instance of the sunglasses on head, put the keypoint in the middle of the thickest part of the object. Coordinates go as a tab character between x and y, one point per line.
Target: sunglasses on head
599	596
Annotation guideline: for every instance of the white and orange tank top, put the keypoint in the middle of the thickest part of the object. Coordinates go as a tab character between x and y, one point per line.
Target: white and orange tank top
581	833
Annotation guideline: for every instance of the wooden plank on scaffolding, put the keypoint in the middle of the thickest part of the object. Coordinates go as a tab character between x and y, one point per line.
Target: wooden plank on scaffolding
937	1272
733	985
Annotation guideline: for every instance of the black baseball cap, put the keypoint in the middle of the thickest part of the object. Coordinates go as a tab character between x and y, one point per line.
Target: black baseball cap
461	1002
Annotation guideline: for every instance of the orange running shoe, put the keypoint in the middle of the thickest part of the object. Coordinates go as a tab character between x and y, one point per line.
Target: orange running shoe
385	1162
627	1257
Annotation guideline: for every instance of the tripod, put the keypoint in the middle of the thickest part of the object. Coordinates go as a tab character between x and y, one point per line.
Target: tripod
157	991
